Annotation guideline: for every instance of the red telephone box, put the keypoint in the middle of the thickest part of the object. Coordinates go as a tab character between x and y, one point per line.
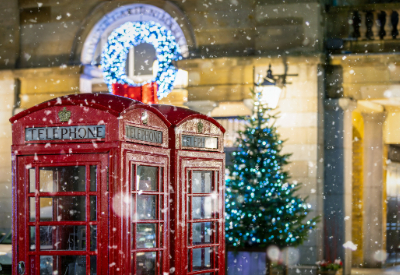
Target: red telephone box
92	181
197	176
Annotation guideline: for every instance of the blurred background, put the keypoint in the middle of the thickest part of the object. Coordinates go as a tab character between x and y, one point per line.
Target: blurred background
339	97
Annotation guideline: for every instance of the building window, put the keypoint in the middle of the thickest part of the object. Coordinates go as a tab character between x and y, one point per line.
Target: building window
141	63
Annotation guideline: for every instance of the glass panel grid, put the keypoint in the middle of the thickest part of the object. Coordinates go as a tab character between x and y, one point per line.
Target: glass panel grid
148	199
80	212
202	221
147	217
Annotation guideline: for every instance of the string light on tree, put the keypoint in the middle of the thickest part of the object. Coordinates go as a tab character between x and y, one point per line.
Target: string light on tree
130	34
262	208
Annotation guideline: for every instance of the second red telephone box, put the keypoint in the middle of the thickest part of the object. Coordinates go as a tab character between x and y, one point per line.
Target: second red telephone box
198	184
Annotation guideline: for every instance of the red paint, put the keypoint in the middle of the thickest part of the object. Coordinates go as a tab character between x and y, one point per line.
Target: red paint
106	102
146	93
117	159
32	264
178	115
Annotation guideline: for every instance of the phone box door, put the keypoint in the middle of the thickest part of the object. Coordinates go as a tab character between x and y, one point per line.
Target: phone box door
202	175
147	173
61	214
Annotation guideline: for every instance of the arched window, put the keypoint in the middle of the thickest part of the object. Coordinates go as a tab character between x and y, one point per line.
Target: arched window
140	62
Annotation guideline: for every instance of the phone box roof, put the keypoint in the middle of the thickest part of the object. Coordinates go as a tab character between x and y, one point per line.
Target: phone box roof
88	109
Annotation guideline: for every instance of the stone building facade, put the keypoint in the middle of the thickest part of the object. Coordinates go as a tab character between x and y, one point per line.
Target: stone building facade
339	115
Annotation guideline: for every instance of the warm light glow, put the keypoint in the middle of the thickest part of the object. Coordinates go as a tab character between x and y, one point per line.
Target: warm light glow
270	95
181	80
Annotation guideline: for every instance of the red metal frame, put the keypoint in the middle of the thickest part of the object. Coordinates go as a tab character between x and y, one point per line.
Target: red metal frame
35	162
134	156
214	244
117	158
147	93
187	163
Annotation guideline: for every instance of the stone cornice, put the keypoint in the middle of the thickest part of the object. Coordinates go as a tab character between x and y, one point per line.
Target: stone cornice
343	104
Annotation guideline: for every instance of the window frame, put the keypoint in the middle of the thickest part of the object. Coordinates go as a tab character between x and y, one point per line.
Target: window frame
161	221
38	162
215	220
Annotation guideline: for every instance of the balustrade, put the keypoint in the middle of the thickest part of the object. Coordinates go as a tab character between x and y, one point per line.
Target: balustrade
370	28
374	24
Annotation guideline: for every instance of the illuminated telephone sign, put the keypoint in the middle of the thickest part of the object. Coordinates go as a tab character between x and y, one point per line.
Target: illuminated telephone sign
200	142
65	133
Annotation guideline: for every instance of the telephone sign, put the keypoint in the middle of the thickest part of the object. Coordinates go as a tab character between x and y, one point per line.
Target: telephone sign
69	132
143	134
102	184
200	142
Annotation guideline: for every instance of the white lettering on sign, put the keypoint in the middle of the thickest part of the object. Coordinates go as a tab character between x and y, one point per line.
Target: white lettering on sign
143	134
65	133
200	142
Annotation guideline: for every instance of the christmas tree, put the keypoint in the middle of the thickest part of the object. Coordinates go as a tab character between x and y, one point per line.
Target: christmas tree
262	207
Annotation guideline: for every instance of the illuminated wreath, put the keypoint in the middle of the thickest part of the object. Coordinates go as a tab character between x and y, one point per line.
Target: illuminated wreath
131	34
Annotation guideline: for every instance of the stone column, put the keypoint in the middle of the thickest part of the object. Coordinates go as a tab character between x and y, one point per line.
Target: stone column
7	98
338	179
373	224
